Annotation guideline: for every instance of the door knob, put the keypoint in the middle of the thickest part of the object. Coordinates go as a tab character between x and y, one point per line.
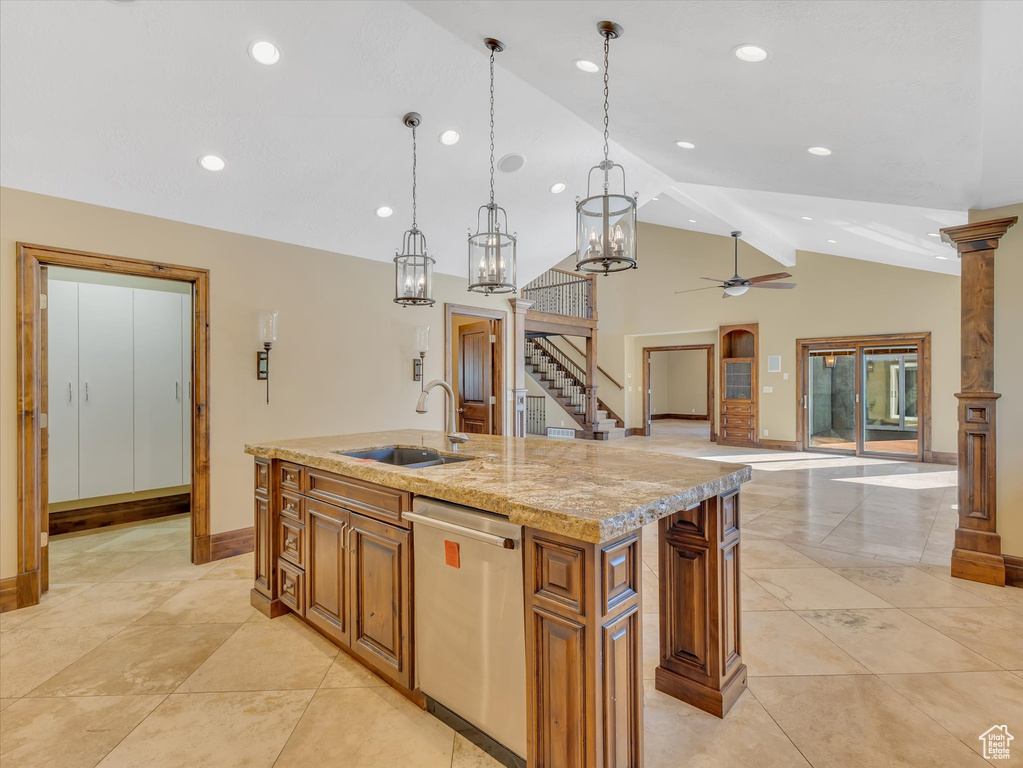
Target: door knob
461	410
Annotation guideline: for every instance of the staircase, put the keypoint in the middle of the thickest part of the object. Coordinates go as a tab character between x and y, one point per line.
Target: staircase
565	382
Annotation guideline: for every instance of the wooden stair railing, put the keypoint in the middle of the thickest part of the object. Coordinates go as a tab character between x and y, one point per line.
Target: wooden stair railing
568	377
607	375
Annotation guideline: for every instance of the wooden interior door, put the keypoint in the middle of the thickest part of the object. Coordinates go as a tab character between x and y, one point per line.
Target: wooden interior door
475	378
44	434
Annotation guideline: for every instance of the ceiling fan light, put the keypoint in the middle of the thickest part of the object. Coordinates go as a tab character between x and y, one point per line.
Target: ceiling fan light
736	290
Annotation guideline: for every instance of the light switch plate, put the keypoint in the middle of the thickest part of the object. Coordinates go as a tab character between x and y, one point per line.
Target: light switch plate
785	376
768	390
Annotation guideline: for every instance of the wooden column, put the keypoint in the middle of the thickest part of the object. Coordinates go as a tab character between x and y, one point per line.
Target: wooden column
519	308
978	547
584	652
591	380
701	661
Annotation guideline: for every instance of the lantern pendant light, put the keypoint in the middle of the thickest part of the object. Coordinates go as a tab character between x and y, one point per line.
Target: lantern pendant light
606	222
413	266
492	248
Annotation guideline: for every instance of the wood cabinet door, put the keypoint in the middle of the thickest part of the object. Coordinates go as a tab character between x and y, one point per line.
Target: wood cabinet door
326	562
381	597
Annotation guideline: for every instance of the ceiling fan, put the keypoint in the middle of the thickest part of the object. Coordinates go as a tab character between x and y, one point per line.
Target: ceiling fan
736	285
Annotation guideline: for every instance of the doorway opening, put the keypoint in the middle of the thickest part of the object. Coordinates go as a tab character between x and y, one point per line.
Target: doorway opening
678	384
474	366
865	395
94	308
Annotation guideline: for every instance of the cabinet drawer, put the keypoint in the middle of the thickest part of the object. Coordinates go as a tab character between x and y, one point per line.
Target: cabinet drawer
262	480
738	435
386	504
292	586
737	422
290	476
292	538
737	407
292	505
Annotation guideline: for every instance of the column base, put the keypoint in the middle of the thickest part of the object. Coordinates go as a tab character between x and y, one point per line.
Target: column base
269	608
978	566
708	698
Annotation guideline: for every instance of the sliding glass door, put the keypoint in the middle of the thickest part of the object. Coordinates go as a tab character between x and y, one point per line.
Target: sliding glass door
890	420
831	400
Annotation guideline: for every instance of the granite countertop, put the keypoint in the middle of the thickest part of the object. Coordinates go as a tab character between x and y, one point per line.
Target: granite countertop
584	489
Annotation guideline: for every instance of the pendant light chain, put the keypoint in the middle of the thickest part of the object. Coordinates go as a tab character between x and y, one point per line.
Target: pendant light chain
414	227
491	127
607	47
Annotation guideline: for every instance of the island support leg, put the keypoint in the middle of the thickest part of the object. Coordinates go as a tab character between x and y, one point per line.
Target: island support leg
700	661
584	652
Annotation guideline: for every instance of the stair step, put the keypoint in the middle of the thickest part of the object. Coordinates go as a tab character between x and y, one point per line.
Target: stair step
616	433
601	415
606	425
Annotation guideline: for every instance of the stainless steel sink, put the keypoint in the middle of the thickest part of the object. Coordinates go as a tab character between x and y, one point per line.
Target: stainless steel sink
413	458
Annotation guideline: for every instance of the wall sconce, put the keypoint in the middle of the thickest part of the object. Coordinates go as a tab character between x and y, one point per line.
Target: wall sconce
422	347
267	335
829	361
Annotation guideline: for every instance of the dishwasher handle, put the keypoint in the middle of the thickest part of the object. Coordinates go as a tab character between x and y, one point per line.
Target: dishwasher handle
470	533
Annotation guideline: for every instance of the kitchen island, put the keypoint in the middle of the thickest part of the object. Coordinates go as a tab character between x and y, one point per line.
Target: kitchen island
333	545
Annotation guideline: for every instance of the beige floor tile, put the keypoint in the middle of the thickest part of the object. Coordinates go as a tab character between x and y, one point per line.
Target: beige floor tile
65	544
966	703
782	643
346	672
138	660
241	567
857	721
94	567
871	533
467	755
891	641
676	734
56	595
357	727
833	558
172	565
29	657
5	703
809	589
651	596
282	654
651	644
147	539
205	602
790	530
909	587
772	554
898	548
68	732
110	603
212	730
995	633
755	598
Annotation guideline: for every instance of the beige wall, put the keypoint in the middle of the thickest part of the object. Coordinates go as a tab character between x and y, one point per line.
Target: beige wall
836	296
678	382
633	366
1009	377
342	364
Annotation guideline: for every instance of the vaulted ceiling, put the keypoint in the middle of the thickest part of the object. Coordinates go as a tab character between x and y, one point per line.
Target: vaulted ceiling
113	102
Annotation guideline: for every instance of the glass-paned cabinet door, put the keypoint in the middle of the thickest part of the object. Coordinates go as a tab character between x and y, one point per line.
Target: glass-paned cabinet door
739	380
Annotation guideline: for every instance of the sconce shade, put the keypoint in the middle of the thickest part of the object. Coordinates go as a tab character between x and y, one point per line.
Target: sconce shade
268	326
422	339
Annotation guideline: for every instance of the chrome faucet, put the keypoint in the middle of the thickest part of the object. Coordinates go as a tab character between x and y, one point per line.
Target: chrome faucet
450	424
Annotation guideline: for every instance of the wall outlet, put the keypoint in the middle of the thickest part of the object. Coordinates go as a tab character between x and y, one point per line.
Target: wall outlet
692	410
765	433
562	423
630	388
785	376
768	390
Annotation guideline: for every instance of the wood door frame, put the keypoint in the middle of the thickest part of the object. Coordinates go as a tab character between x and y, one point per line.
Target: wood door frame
711	391
32	397
922	340
498	316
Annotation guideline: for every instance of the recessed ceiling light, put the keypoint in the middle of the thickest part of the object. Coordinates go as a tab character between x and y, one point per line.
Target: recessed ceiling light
832	241
685	144
450	137
750	53
264	52
212	163
655	198
384	211
933	234
820	151
511	162
557	188
806	218
692	221
586	66
943	258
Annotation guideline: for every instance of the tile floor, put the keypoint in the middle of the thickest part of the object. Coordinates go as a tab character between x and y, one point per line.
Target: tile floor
857	657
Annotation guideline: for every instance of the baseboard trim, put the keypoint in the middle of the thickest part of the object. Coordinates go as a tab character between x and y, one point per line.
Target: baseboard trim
984	567
231	543
779	445
89	518
690	416
1013	571
8	594
635	431
941	457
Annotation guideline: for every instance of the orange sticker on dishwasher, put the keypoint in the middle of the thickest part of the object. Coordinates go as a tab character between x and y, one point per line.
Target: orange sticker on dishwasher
451	554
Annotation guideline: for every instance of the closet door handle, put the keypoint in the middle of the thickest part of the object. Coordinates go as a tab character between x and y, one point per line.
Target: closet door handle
176	395
86	391
69	391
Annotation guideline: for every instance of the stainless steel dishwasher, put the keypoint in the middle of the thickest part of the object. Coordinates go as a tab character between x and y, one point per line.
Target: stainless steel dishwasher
470	636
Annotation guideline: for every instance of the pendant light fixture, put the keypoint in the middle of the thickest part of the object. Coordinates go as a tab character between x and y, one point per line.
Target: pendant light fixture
413	266
606	222
492	248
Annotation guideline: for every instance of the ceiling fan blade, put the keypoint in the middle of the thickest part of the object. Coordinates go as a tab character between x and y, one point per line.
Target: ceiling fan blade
765	278
773	285
717	279
690	290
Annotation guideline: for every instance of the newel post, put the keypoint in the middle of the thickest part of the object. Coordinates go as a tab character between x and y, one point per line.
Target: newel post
519	308
978	547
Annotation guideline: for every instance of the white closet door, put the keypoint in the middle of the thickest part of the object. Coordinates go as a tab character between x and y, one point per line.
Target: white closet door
186	399
159	391
62	361
105	392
